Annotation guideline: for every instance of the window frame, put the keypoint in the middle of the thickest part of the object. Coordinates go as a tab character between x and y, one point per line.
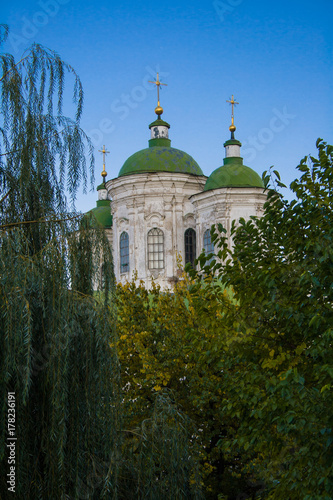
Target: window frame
155	249
190	246
124	237
208	246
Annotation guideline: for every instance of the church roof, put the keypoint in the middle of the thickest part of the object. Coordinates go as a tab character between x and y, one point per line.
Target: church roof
102	213
160	158
233	174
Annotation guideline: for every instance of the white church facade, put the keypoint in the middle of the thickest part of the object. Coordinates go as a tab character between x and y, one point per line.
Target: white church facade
162	206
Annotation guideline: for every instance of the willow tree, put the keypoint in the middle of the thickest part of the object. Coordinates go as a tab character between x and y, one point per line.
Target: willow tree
54	333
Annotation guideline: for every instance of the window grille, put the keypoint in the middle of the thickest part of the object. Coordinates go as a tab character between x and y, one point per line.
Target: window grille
208	245
124	252
155	249
190	246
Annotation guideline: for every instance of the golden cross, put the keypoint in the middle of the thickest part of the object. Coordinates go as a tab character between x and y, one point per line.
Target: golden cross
158	83
233	103
105	152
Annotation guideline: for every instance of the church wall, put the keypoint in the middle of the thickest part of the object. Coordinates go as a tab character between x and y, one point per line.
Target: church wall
144	201
225	205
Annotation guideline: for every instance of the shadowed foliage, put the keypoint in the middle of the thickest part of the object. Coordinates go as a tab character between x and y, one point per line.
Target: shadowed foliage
277	382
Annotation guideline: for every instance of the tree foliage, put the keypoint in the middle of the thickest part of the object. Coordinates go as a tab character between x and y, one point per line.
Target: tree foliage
224	388
55	335
277	380
172	345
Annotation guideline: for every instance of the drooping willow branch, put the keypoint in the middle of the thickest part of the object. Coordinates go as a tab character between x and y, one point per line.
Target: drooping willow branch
11	224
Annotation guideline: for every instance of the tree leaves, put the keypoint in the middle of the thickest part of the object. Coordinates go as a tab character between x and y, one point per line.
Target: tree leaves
281	273
55	332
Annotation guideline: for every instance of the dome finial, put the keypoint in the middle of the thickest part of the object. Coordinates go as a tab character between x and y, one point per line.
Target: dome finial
232	127
158	109
104	152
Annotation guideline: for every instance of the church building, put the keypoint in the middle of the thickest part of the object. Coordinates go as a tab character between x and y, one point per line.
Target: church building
162	206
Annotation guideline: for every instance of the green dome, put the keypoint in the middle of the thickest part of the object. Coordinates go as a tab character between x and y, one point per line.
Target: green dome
233	174
102	213
160	159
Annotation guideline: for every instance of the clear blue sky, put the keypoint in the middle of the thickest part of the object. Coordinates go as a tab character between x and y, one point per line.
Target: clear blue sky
275	57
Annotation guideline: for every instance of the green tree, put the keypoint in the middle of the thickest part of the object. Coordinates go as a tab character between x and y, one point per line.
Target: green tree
277	382
172	345
55	336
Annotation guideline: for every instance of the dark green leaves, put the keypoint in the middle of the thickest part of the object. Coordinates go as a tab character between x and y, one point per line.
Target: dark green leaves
279	372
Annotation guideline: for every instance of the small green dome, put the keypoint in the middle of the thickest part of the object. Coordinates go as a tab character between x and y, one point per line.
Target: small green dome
158	123
233	174
160	158
102	213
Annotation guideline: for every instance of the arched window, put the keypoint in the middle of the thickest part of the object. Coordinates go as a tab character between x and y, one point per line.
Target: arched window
207	243
124	252
190	246
155	249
